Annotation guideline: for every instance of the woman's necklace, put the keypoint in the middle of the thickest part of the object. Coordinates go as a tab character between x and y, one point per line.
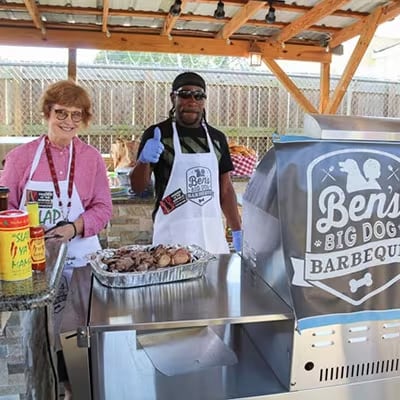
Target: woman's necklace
55	179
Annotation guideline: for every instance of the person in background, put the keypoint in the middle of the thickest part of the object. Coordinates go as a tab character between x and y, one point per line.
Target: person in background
53	170
191	163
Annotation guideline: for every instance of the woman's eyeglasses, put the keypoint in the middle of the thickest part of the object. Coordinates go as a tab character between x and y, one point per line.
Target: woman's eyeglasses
187	94
62	114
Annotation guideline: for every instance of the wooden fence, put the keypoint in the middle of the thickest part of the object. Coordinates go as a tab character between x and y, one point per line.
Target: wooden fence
247	106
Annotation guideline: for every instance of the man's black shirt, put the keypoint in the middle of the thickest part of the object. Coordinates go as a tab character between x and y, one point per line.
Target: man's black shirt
192	140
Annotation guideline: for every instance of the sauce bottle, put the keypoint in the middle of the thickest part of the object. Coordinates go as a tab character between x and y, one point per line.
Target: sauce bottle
4	198
36	243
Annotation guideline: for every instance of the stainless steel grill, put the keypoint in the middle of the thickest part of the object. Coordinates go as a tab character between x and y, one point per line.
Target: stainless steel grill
250	305
329	355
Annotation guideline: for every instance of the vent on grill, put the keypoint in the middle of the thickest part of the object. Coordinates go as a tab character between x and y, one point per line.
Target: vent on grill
355	370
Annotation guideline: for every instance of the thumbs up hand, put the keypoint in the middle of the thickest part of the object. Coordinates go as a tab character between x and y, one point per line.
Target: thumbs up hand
152	149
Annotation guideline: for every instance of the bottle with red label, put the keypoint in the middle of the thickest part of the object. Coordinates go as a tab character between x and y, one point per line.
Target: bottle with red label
36	244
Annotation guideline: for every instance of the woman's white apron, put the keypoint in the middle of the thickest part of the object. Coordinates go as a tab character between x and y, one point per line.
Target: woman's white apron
78	247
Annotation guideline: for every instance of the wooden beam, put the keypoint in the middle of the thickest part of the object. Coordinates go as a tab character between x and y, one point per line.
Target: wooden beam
65	38
290	86
106	8
365	38
240	18
324	86
35	15
389	12
170	21
294	52
72	64
318	12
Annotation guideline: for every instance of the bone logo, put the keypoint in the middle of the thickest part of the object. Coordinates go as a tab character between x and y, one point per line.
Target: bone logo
199	185
353	224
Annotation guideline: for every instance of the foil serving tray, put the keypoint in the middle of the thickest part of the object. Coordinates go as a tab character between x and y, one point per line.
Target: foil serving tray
195	269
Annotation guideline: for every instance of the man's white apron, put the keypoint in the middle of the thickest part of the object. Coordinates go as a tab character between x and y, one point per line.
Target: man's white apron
196	216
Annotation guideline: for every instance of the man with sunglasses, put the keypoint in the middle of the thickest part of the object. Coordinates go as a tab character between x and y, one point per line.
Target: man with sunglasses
191	163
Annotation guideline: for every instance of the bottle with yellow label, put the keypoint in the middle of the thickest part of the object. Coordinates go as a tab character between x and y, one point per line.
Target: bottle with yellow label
15	258
36	243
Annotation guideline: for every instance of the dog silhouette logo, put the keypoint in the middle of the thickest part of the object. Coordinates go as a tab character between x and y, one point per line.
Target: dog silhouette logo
357	180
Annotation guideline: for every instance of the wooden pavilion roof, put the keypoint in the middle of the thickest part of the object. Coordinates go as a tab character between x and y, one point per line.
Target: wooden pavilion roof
305	30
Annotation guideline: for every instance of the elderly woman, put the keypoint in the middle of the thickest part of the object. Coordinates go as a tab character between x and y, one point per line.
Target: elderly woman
66	176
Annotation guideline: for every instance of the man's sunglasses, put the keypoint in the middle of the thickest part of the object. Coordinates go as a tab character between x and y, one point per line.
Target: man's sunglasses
187	94
62	114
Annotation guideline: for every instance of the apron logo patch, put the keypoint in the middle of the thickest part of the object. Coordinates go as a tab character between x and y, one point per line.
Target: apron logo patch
48	215
353	224
199	185
172	201
44	198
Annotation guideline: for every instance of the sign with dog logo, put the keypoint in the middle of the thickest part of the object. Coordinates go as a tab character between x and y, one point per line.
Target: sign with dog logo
342	237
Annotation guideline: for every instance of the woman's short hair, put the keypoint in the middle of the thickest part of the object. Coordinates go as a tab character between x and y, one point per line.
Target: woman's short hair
67	93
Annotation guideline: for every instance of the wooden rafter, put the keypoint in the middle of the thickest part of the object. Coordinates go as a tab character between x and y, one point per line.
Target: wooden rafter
35	15
290	85
240	18
389	12
170	21
91	11
304	9
320	11
366	36
106	9
122	13
158	15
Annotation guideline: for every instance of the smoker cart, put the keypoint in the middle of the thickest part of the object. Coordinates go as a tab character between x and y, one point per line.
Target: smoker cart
296	316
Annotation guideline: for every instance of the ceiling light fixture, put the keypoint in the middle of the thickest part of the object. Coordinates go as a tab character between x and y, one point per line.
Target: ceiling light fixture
219	13
325	39
175	9
270	17
255	55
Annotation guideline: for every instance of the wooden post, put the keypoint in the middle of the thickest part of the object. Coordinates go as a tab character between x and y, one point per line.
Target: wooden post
324	86
72	64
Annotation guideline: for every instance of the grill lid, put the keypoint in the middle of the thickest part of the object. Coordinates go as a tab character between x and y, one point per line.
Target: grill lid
351	128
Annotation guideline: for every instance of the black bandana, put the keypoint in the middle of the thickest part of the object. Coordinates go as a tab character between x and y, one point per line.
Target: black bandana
187	79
